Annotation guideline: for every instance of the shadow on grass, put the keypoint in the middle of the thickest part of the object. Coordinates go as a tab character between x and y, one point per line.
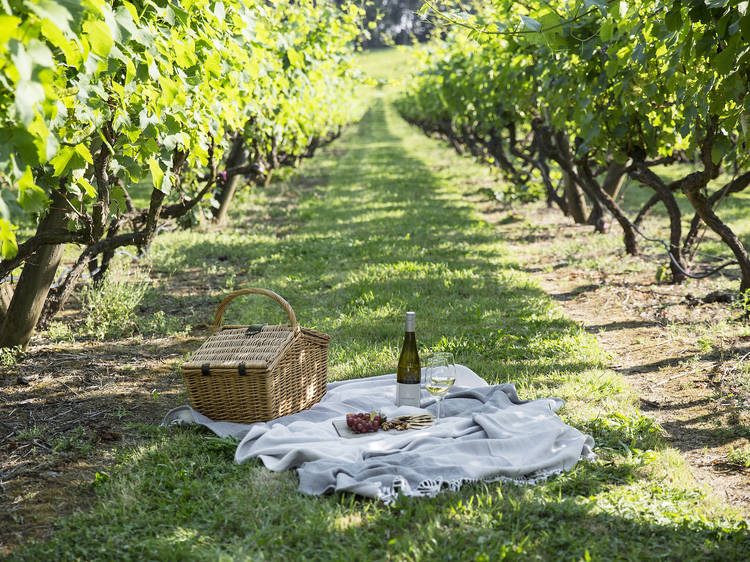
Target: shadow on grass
182	497
578	291
626	325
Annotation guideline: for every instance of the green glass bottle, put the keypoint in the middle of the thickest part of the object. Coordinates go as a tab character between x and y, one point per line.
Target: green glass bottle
409	372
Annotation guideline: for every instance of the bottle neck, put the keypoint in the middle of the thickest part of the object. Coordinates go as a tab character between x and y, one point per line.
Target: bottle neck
410	322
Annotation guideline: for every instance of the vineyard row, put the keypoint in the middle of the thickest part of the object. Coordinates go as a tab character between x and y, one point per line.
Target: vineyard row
579	96
118	117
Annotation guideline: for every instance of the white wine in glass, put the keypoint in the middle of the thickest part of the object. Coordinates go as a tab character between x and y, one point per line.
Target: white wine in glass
440	376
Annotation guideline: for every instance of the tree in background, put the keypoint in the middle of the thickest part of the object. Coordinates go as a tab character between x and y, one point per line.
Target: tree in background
389	22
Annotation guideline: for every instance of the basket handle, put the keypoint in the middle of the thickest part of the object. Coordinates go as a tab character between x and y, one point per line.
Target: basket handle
266	292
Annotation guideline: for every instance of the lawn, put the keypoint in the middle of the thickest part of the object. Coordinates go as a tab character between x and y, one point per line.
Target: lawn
383	221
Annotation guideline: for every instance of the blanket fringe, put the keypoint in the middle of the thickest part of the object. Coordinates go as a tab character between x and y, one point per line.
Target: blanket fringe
432	487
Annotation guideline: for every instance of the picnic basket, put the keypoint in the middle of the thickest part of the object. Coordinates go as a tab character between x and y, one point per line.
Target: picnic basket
257	373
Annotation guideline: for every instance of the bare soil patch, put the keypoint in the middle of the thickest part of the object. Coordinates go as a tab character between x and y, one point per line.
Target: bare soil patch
65	412
685	353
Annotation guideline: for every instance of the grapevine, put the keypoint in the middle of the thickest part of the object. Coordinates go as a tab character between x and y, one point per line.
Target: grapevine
577	97
184	98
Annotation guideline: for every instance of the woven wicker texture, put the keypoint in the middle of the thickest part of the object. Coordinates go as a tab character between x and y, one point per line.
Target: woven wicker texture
247	376
232	346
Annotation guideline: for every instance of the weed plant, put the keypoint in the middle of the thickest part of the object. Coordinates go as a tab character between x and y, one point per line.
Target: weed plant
123	304
9	356
739	456
109	307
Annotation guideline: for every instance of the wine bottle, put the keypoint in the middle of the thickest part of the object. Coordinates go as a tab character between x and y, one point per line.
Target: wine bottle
409	373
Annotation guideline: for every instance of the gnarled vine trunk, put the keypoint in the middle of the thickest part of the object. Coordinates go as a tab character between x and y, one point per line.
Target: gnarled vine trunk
573	194
236	158
703	208
629	236
645	175
574	199
37	277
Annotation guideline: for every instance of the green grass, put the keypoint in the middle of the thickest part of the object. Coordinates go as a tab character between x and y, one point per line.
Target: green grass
387	65
380	224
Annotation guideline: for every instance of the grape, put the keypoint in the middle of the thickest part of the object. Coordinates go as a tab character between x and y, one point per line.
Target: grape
365	422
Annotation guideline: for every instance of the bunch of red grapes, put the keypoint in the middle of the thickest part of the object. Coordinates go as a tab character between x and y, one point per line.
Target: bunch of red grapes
365	422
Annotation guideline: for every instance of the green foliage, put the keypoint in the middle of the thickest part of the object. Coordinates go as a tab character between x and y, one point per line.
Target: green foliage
626	433
743	303
9	356
78	440
131	114
386	22
739	456
159	324
59	331
136	87
31	433
630	80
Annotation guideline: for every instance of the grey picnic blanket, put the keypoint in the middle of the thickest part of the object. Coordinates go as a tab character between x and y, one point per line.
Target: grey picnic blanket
486	433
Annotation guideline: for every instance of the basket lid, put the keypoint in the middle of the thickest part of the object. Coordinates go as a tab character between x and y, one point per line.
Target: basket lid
235	345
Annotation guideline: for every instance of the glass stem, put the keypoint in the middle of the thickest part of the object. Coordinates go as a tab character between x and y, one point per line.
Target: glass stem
439	400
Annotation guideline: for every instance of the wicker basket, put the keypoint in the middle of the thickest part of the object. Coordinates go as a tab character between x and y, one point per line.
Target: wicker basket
248	374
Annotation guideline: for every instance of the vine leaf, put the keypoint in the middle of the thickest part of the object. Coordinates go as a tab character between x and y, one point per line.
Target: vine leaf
157	174
531	23
71	158
724	61
99	36
673	19
722	145
745	27
54	12
295	59
8	243
8	25
28	94
88	188
30	196
601	4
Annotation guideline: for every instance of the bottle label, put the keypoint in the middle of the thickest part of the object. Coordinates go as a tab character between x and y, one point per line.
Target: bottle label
407	394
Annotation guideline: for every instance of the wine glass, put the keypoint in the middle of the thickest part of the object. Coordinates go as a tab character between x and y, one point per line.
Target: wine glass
440	374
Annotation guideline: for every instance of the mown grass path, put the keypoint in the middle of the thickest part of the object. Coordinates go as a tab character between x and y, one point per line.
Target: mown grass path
383	222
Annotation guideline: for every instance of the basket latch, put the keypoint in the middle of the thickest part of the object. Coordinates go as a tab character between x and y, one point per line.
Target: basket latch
205	369
254	329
